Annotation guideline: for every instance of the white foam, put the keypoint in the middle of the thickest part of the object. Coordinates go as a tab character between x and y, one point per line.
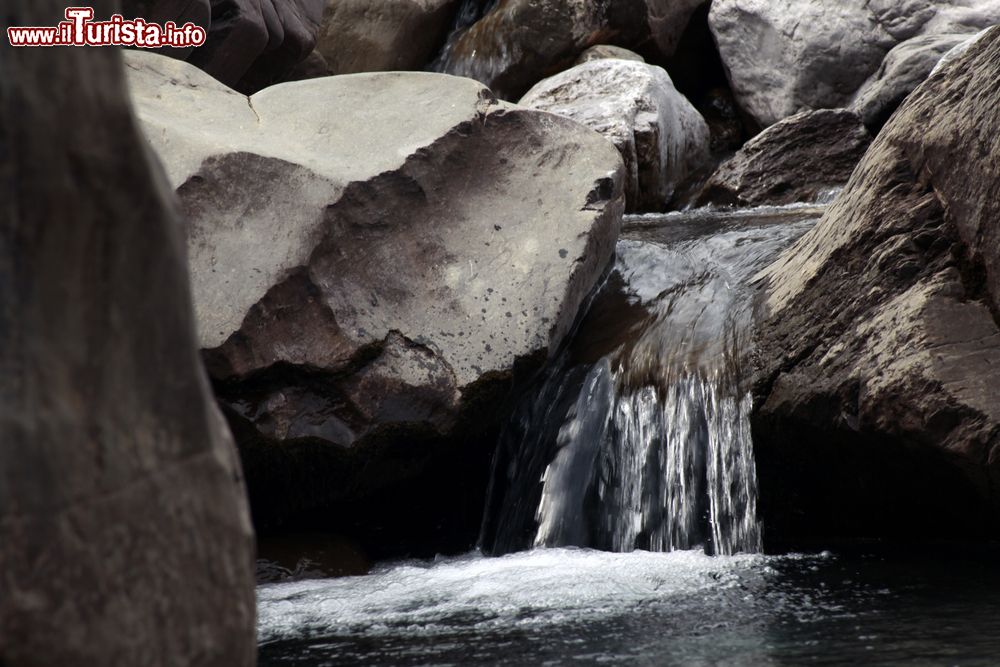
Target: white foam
477	594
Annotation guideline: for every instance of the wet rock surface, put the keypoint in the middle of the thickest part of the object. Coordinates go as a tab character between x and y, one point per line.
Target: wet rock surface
125	533
370	276
516	43
661	137
877	410
799	159
797	55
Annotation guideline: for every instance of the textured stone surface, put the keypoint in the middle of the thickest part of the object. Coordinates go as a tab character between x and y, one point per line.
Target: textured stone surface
661	137
519	42
373	256
878	410
123	522
788	56
799	159
903	69
383	35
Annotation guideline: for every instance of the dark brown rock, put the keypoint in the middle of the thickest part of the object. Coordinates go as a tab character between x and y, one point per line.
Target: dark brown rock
254	43
795	160
374	259
123	521
878	413
383	35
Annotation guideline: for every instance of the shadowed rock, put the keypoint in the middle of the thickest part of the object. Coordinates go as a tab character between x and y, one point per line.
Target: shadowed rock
879	356
904	68
383	35
124	528
799	159
373	257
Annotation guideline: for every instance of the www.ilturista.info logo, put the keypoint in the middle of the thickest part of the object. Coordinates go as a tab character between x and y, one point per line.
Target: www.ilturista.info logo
79	29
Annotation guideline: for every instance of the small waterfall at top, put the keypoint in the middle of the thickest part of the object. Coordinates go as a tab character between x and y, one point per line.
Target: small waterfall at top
456	58
638	434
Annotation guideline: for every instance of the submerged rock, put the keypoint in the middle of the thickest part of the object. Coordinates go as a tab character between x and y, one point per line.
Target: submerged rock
799	159
519	42
796	55
125	534
880	352
661	137
383	35
373	257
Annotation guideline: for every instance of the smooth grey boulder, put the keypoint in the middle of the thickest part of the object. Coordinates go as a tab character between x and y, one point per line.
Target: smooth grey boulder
903	69
383	35
373	257
879	353
519	42
661	136
607	51
799	159
125	537
796	55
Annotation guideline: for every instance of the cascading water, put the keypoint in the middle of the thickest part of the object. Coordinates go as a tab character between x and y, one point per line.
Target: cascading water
638	436
453	60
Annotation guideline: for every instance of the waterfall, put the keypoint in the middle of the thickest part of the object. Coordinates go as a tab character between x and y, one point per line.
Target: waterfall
638	435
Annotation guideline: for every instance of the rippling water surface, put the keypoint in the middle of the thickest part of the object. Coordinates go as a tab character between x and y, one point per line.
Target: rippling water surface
637	436
562	606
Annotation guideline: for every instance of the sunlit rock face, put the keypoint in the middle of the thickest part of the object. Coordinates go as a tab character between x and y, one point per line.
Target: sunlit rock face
880	350
125	536
373	257
661	136
795	55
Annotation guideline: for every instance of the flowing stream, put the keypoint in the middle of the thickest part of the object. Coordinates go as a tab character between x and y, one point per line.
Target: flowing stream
622	524
638	436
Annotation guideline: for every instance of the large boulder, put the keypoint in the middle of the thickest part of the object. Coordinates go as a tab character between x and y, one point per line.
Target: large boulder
799	159
661	137
904	68
124	528
519	42
797	55
373	257
384	35
880	352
